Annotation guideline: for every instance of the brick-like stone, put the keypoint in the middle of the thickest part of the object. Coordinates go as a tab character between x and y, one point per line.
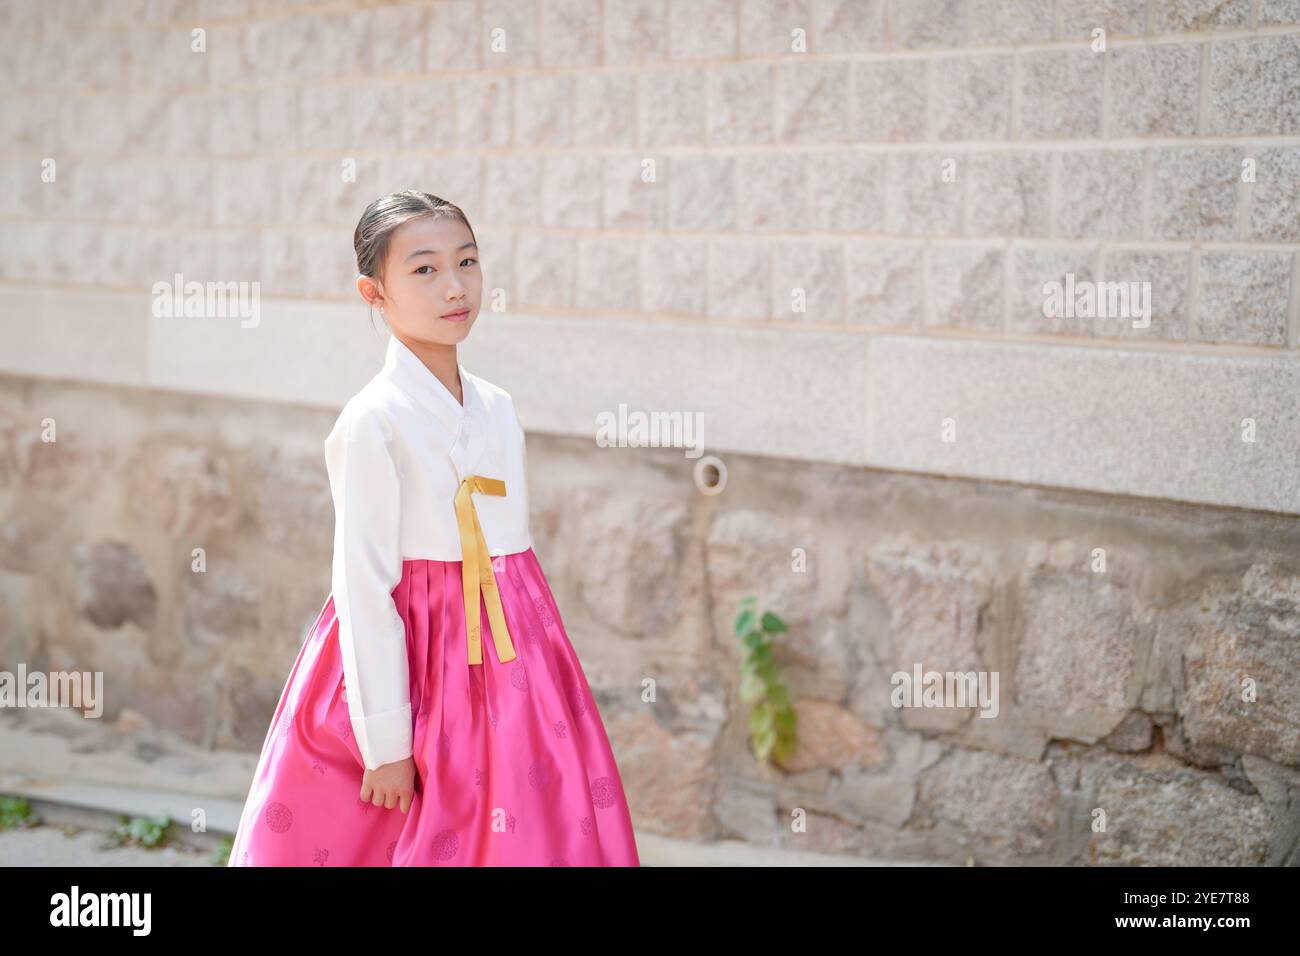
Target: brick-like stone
766	26
1249	630
848	191
1253	84
1008	194
673	275
635	31
1035	265
848	26
1060	94
884	280
702	30
772	191
609	273
277	120
740	103
245	192
889	101
604	109
113	585
570	33
1077	667
331	265
1003	809
816	268
1275	196
542	111
972	97
326	119
512	186
672	107
630	202
394	36
1172	16
926	23
375	116
426	122
656	539
1099	194
1117	17
966	284
572	191
1279	11
284	254
507	35
1002	22
701	192
936	593
182	487
812	101
1160	812
157	60
1168	274
445	47
740	279
1154	90
1194	193
545	266
483	110
1244	297
918	200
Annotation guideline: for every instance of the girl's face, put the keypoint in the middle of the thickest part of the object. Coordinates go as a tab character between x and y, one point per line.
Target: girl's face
432	283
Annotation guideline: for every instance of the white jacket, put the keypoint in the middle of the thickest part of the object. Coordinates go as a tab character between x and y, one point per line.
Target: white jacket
396	456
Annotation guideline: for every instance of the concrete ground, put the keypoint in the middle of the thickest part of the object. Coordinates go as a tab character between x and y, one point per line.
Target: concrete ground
80	777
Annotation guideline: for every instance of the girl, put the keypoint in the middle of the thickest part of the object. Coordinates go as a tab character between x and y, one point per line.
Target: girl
437	713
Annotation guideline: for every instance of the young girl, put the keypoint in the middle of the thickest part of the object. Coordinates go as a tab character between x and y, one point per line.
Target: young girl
437	713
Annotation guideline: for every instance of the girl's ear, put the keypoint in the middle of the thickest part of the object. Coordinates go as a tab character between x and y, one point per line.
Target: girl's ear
367	289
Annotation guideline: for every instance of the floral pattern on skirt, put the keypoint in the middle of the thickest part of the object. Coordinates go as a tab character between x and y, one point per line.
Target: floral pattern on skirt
513	765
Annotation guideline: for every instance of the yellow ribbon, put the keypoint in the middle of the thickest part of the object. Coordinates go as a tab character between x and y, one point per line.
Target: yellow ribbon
476	571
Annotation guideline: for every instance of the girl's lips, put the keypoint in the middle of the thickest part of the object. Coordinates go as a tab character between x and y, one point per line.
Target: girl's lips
457	316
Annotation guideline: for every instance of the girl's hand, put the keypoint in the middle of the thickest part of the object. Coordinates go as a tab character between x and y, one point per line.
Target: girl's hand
391	785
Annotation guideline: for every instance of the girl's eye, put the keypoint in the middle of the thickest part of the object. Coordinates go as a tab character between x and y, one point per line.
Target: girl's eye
463	261
417	271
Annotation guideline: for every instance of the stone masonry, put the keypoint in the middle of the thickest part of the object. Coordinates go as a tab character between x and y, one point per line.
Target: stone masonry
906	171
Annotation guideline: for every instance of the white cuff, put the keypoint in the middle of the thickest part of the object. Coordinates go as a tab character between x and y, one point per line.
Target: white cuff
384	738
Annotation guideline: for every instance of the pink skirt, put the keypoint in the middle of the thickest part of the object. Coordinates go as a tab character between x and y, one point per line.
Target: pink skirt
513	765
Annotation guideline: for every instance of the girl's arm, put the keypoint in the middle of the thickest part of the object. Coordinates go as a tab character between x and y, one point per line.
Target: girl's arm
367	568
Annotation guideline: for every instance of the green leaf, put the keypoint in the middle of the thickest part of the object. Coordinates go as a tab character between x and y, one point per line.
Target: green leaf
744	622
751	687
772	624
764	742
785	720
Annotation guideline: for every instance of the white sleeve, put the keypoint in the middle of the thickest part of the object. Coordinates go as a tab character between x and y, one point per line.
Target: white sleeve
367	568
522	490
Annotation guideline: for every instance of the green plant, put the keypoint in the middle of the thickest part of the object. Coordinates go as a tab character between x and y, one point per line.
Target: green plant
221	855
772	721
147	832
16	813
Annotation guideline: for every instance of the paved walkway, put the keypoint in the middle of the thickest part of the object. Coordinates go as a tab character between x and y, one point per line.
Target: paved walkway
80	776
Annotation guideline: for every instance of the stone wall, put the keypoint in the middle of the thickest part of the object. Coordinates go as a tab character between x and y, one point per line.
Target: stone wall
1119	688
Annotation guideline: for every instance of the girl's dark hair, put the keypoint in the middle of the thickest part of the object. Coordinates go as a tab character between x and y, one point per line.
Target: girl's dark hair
383	216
